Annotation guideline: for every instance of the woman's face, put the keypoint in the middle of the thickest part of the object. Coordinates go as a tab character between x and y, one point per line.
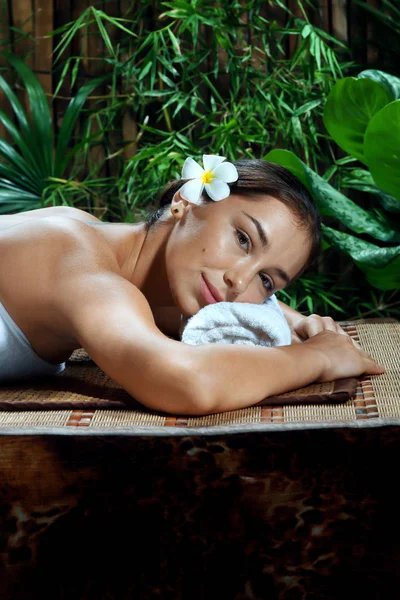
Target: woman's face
221	242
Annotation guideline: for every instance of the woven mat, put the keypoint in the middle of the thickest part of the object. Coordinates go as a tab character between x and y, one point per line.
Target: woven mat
84	396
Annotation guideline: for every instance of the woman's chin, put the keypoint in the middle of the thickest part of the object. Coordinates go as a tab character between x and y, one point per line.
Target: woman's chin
189	308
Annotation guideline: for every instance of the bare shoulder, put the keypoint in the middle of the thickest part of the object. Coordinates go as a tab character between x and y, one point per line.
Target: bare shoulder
52	242
83	278
40	213
37	254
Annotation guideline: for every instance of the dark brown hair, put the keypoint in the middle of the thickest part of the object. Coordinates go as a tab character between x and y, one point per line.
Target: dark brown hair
256	178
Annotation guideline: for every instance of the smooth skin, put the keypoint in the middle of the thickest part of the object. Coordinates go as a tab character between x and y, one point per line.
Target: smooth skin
70	281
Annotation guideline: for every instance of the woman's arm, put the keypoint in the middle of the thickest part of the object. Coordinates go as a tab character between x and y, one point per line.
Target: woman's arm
113	321
117	329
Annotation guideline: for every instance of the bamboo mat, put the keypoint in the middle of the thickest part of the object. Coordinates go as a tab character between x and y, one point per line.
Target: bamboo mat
86	398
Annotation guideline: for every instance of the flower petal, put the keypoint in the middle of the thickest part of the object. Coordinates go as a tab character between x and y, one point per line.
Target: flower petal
226	172
210	161
191	169
191	190
217	190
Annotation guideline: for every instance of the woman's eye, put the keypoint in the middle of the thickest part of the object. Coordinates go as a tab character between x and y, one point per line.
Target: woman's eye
267	283
242	237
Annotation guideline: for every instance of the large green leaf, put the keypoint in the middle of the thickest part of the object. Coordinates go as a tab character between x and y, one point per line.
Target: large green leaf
382	148
349	108
15	200
9	175
381	265
19	141
41	132
17	166
29	160
391	82
361	179
16	106
331	202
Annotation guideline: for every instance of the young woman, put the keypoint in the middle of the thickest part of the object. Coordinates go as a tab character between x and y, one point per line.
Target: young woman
68	280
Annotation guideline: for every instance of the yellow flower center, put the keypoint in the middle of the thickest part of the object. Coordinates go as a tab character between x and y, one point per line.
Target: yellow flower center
207	177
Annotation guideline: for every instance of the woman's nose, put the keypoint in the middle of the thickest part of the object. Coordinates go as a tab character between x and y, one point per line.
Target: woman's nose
237	280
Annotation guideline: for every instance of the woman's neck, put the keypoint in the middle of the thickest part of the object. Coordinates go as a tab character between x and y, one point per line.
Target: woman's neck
146	264
140	255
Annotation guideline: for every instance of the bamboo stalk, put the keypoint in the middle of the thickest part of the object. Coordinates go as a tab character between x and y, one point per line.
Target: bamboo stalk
372	51
294	39
113	9
44	14
22	19
323	16
61	15
95	47
339	20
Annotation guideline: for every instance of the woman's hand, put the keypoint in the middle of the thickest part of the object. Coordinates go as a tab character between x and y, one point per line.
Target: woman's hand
341	358
306	327
303	328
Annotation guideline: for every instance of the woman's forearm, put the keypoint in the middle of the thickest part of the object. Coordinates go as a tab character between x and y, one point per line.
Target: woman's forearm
235	376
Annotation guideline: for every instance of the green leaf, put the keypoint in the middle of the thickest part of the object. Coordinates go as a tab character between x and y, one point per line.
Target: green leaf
391	83
381	265
305	32
388	202
287	159
297	130
106	38
10	175
175	41
11	202
23	121
349	108
41	133
360	179
19	142
306	107
333	203
17	165
382	148
144	71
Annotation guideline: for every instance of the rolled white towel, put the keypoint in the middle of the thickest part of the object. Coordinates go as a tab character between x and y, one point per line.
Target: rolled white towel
239	323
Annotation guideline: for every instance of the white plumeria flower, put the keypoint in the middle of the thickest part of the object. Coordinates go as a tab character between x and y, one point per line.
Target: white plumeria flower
214	177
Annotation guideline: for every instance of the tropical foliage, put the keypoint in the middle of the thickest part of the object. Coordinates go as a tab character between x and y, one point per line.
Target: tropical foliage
33	163
186	78
363	116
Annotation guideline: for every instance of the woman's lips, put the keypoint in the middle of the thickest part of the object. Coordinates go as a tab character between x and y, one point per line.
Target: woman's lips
207	293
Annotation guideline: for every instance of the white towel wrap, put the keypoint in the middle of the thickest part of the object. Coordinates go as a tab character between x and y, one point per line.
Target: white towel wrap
239	323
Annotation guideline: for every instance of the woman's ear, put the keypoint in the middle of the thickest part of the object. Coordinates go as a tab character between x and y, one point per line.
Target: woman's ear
179	206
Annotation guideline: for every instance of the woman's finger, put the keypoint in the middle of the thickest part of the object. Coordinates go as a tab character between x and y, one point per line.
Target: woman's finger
310	326
296	339
330	324
342	332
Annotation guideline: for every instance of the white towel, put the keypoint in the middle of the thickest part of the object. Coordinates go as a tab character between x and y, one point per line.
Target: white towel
239	323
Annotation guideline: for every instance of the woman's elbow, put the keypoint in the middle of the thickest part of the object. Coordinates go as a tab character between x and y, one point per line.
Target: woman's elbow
190	398
177	387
